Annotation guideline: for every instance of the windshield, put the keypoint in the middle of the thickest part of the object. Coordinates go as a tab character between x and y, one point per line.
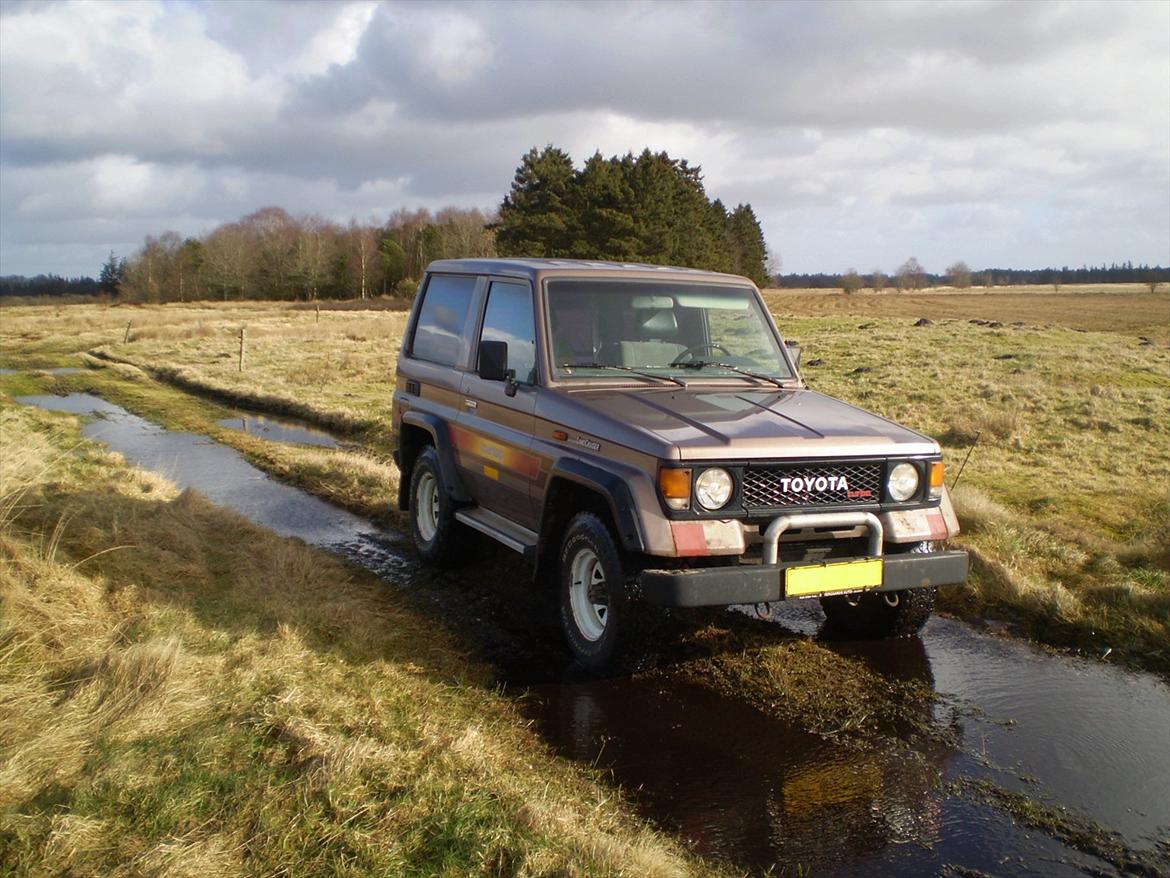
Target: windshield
604	328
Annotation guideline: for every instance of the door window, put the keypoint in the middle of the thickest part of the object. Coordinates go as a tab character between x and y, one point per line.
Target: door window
442	318
509	319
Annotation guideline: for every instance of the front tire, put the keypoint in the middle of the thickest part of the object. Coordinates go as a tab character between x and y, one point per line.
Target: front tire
881	615
596	612
432	513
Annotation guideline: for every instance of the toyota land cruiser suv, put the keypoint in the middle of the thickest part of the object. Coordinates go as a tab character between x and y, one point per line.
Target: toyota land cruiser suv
643	435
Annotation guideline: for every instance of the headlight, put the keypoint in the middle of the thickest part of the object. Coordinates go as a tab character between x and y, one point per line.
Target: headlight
903	482
713	488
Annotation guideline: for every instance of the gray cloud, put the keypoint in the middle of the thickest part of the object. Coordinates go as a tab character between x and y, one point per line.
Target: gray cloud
998	132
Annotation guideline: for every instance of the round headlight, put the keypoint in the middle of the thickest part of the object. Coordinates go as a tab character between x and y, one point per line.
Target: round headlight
713	488
903	482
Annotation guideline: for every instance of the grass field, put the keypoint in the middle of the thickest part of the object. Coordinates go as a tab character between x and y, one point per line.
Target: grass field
1059	413
184	694
1128	309
172	706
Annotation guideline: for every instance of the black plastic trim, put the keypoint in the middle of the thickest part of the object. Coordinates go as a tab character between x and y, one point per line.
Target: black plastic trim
437	427
753	584
614	489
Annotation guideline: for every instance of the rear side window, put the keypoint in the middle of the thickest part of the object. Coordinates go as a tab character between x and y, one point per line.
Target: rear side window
446	303
509	319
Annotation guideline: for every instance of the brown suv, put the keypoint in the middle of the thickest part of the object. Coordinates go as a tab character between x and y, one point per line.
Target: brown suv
643	435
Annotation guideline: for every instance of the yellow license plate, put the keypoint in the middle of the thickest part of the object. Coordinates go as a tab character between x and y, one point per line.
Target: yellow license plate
832	577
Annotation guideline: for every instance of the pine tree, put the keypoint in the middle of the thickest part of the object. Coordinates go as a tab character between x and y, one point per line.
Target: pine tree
602	203
749	252
645	208
536	218
112	275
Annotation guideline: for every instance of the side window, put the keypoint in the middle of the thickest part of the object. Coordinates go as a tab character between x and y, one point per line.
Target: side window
509	319
441	318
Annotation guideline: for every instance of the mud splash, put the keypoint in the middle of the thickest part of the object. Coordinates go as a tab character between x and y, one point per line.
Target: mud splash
751	786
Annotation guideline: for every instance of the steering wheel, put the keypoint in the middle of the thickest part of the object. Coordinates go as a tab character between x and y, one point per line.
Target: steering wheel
690	352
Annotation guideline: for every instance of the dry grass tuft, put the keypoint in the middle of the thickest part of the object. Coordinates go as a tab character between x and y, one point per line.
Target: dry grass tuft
208	699
983	424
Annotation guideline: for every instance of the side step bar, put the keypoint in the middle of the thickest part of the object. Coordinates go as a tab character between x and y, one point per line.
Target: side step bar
515	537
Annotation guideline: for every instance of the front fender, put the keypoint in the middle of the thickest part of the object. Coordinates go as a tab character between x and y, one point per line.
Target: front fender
616	492
441	438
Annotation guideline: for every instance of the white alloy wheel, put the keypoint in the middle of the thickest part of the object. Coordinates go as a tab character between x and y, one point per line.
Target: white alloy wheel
426	504
588	594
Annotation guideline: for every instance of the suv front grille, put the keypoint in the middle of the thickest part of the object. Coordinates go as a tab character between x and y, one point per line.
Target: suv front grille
828	484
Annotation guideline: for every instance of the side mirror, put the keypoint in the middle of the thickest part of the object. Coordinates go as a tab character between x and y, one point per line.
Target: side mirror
493	360
493	365
794	352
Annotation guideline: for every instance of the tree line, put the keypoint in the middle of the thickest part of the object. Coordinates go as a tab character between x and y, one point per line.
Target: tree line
271	254
646	208
910	275
48	285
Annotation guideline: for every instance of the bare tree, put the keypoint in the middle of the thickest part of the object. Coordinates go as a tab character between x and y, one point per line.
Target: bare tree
774	265
463	233
228	251
878	280
275	235
851	281
363	245
910	275
409	229
314	251
960	275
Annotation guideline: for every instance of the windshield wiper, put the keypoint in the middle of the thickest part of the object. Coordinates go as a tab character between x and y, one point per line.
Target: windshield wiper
677	381
702	364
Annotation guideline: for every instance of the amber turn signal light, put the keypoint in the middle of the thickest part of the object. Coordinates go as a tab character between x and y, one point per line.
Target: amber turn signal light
936	479
675	485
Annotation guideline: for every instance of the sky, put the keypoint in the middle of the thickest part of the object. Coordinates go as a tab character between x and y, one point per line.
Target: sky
1017	134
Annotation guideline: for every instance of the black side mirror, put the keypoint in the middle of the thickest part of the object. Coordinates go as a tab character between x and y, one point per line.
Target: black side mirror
493	365
794	352
493	360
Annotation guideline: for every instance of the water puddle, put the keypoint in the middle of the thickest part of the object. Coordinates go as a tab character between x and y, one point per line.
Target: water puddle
743	786
225	477
280	430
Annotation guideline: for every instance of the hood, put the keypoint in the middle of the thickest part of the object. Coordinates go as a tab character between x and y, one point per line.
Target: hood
706	424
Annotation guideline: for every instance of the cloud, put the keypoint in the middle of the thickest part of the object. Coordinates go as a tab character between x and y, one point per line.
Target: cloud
855	129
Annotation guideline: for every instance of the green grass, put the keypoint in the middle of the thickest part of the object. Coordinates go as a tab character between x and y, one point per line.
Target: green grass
187	694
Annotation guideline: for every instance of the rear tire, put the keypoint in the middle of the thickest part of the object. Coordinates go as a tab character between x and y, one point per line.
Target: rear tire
880	615
432	513
597	613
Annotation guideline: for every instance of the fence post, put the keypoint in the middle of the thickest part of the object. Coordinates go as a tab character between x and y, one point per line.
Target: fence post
243	336
318	313
126	337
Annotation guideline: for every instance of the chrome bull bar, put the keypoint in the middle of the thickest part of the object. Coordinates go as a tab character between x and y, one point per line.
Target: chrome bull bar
822	519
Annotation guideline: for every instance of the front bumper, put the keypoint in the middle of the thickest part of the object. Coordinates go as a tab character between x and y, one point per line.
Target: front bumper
753	584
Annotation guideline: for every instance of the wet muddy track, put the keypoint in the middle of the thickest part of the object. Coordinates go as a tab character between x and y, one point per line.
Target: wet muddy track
1022	734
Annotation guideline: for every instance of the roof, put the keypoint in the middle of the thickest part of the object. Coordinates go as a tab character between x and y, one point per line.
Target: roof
534	268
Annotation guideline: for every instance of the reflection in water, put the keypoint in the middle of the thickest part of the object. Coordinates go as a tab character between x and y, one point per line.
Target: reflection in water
280	430
225	477
755	790
739	784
